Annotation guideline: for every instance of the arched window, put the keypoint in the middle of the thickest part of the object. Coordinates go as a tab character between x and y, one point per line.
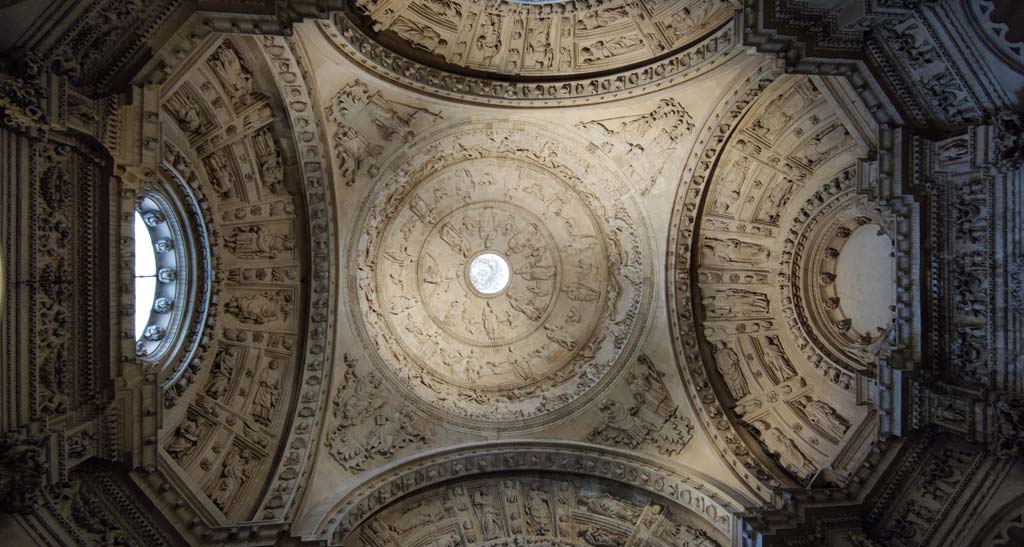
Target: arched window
161	271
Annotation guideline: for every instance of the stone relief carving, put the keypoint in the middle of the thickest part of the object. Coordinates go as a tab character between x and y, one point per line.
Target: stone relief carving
645	143
369	429
652	418
355	106
234	76
349	38
261	308
234	472
577	263
258	241
547	509
526	40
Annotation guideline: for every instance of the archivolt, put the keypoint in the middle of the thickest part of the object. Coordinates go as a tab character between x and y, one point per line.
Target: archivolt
714	503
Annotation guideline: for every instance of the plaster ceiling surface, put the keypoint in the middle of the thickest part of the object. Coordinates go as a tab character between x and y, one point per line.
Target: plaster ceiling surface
575	349
538	39
511	294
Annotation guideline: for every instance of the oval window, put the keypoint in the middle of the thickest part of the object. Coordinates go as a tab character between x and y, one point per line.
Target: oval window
145	276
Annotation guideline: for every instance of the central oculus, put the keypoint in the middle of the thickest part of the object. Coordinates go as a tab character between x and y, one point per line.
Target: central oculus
489	273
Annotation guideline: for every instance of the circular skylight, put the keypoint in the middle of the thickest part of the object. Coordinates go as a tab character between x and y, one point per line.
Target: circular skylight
489	273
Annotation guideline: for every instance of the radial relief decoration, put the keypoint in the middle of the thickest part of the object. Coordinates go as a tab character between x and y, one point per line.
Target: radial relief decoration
501	276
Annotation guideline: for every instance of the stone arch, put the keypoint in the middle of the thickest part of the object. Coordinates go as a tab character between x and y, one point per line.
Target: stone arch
765	183
704	498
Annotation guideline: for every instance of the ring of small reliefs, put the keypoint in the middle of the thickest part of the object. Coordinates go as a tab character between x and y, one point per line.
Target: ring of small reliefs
435	309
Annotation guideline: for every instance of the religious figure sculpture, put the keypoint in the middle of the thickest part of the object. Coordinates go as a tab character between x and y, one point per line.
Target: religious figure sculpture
737	251
789	454
257	242
261	308
538	510
233	473
267	395
728	364
489	515
186	437
220	376
824	416
235	78
776	361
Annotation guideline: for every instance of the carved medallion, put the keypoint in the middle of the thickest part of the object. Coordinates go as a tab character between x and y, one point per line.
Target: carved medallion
479	205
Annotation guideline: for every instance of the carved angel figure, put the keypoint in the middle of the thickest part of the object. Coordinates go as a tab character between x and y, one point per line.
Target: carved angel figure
261	308
257	242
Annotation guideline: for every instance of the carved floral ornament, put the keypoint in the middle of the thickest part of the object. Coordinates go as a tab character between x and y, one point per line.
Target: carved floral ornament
579	264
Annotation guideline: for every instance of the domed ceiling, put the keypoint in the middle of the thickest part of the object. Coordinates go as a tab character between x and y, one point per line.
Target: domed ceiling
538	38
577	257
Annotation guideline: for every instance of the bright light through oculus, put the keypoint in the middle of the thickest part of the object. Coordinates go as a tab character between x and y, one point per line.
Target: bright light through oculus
145	275
489	273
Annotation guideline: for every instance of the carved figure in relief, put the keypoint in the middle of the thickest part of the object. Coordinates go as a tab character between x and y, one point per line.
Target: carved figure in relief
538	509
188	113
788	453
261	308
602	49
220	375
621	426
599	18
421	36
690	18
607	505
233	474
221	176
257	241
488	41
776	361
271	170
233	76
825	145
267	394
728	364
578	292
824	416
732	303
488	514
186	438
737	251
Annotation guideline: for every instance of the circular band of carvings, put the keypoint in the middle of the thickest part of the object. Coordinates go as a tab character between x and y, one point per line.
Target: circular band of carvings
739	450
575	309
823	223
689	488
290	78
684	65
